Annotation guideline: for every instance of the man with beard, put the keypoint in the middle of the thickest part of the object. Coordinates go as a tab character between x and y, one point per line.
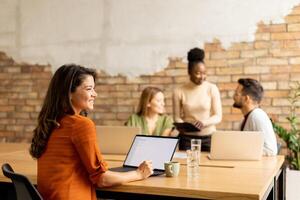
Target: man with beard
247	98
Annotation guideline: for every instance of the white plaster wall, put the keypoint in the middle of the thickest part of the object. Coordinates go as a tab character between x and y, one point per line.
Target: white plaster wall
132	37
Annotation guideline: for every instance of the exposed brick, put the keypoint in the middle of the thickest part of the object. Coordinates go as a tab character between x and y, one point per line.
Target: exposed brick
125	94
295	11
161	80
294	61
176	72
266	101
293	27
181	79
254	53
269	85
138	80
292	44
227	86
272	61
7	108
277	93
212	47
262	28
235	78
262	44
273	58
285	36
225	54
283	85
216	63
292	19
262	36
219	78
111	80
241	46
239	62
224	126
284	52
295	77
127	87
229	70
232	117
16	102
256	70
123	116
280	69
272	110
127	101
280	102
180	64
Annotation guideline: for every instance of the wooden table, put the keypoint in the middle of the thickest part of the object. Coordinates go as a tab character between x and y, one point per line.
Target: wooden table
218	179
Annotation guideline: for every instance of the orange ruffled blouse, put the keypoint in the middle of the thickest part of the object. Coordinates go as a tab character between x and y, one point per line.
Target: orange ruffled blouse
72	163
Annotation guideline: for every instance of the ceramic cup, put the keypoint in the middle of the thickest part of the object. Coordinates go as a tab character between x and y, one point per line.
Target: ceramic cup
172	168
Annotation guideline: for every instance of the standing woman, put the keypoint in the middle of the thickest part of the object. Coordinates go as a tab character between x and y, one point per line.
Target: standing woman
70	165
150	117
197	102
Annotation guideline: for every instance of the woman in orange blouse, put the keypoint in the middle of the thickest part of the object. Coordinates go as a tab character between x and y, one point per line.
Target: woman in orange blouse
70	164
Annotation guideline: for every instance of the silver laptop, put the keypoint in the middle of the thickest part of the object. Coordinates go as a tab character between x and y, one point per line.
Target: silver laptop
115	139
236	145
156	148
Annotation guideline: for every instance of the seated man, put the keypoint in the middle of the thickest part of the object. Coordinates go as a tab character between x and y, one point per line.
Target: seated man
247	98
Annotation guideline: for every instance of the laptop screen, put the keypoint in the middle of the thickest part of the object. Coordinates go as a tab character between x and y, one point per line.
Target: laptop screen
155	148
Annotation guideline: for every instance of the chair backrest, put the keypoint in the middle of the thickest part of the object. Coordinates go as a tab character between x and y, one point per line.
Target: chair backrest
24	189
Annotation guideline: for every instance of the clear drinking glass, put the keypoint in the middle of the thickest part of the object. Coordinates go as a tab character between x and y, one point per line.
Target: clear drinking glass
196	146
192	164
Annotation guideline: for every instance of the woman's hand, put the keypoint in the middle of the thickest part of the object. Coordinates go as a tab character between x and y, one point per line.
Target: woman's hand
198	124
145	169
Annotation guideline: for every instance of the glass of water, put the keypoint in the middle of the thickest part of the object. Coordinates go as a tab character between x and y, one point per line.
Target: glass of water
196	146
192	164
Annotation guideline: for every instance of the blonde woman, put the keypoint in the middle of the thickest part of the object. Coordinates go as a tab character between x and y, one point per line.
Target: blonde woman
150	115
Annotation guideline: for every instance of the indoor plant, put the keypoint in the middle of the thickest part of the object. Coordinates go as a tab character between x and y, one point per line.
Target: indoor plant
291	136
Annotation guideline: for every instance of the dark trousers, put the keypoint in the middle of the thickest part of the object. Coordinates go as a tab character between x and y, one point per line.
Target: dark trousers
185	142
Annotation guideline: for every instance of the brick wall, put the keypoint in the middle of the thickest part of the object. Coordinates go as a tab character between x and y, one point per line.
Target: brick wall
22	88
273	58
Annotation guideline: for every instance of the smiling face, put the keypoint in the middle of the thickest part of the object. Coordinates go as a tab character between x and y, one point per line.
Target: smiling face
84	95
157	103
198	73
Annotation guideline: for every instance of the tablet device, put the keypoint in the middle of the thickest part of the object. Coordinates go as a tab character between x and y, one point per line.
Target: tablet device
186	127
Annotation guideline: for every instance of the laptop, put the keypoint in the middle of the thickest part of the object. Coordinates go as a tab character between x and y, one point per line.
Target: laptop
156	148
236	145
109	138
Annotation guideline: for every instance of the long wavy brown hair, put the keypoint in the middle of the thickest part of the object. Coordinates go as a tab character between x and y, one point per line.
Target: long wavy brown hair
57	104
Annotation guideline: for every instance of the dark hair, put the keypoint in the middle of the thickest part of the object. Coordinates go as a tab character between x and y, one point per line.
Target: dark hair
195	56
252	88
146	96
57	104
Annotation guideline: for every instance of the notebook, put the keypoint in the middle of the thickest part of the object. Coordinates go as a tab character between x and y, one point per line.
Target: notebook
156	148
109	138
236	145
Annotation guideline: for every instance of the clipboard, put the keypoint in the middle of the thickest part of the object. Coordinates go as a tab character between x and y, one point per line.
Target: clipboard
186	127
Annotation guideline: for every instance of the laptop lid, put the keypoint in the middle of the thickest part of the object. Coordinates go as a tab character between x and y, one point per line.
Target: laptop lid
236	145
109	137
156	148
